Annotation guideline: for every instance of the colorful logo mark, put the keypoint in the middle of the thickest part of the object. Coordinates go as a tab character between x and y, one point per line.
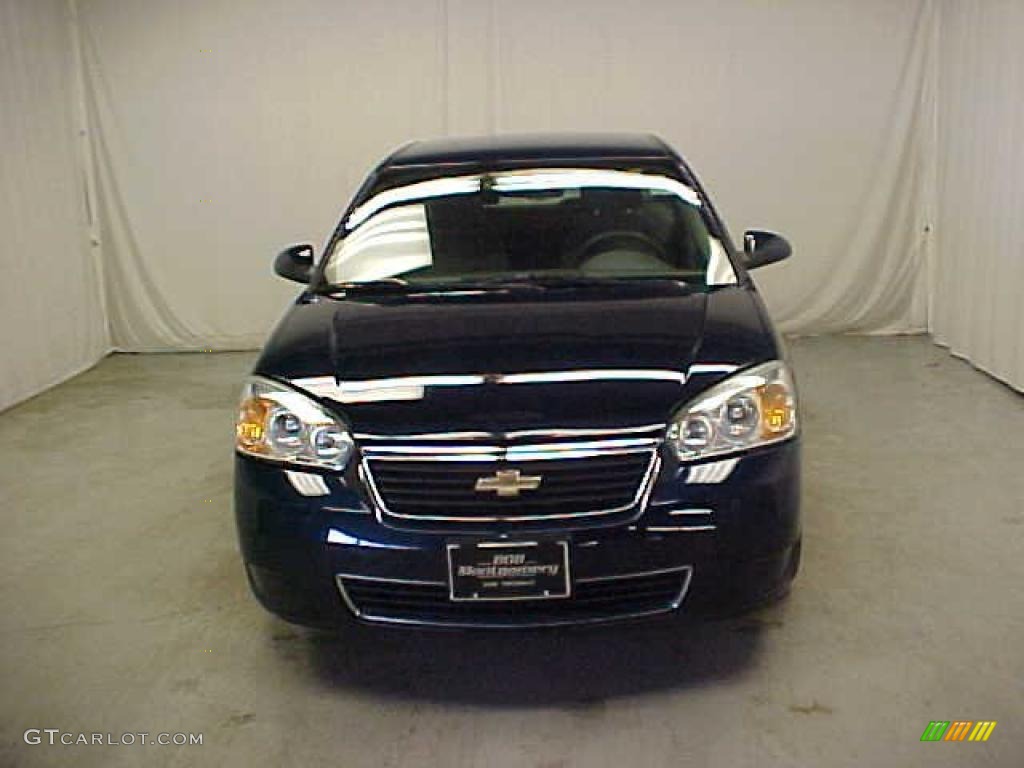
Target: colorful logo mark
958	730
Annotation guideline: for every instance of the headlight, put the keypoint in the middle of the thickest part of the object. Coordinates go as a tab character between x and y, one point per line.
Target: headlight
280	423
754	407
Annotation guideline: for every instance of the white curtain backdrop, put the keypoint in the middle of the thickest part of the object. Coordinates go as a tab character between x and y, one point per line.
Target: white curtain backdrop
978	273
224	132
51	316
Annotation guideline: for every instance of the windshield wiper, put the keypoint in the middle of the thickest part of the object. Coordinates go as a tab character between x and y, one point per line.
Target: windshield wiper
396	285
516	281
383	285
583	281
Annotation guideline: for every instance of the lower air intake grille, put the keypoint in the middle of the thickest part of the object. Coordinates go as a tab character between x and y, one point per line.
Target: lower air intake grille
592	600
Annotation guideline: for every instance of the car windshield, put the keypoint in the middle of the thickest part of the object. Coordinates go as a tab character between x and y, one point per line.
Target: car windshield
533	226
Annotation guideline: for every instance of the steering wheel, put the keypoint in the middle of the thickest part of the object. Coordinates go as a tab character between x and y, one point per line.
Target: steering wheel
579	254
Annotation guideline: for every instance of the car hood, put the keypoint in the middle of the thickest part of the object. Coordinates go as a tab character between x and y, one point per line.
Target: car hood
496	361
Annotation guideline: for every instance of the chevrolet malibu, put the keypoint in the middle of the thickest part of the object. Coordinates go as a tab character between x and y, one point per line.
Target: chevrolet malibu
528	382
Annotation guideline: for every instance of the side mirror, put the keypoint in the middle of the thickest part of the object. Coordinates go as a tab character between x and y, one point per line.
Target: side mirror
295	263
761	248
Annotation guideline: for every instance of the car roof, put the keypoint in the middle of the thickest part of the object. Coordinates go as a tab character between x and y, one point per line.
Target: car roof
527	147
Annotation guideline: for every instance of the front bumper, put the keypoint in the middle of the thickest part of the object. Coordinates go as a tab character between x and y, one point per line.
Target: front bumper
714	538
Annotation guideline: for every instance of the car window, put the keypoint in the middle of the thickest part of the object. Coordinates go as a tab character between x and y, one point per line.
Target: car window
546	224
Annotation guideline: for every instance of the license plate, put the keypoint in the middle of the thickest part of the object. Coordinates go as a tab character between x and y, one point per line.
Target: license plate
521	570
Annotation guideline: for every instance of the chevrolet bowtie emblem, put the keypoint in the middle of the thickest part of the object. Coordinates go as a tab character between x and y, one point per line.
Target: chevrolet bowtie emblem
508	483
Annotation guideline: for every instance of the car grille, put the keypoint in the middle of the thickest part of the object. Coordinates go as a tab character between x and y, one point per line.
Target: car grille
593	600
572	487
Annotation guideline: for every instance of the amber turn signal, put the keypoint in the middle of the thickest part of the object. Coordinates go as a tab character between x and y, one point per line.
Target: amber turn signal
777	409
251	429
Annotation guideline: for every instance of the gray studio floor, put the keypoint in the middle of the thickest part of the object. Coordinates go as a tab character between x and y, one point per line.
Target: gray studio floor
125	610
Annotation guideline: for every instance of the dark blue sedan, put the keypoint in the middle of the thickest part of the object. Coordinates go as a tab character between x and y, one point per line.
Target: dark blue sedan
528	382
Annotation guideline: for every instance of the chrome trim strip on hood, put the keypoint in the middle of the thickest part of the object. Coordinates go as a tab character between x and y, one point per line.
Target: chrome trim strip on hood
414	387
557	432
699	368
535	452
